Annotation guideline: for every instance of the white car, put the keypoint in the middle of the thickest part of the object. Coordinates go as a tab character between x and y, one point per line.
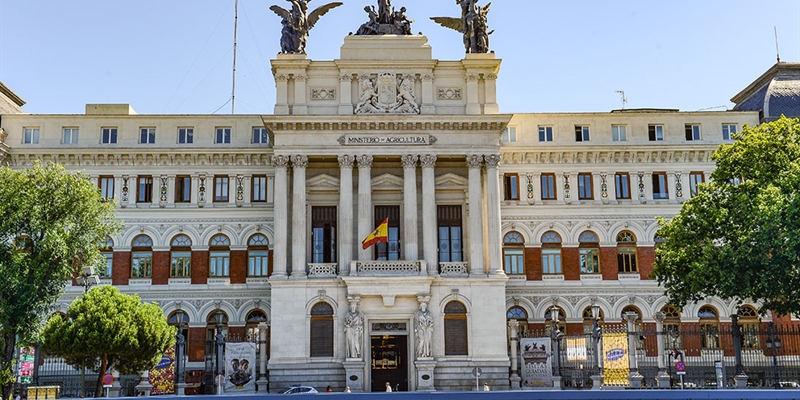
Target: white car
300	389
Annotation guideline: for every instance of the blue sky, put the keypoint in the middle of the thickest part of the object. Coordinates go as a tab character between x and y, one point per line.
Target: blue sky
175	56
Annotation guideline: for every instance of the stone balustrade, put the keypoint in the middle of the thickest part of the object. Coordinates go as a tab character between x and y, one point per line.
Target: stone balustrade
322	270
387	268
453	269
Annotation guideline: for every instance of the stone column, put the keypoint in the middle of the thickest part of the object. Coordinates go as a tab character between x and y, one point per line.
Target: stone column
281	203
493	214
562	185
597	188
513	332
299	164
687	191
634	377
428	95
281	94
300	106
429	224
345	228
262	381
474	163
673	184
663	378
345	94
410	241
536	181
647	178
573	185
365	222
490	90
473	103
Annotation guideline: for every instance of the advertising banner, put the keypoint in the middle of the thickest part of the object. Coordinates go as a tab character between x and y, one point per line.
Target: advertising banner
240	366
615	355
576	349
537	366
162	376
26	358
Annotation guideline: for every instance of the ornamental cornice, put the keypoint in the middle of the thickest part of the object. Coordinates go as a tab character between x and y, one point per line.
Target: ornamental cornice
127	158
619	155
574	217
494	123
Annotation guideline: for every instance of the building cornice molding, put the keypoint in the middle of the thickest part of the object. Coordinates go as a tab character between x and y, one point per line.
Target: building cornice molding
388	122
609	155
161	157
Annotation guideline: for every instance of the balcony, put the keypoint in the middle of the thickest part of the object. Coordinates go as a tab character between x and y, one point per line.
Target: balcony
387	268
454	269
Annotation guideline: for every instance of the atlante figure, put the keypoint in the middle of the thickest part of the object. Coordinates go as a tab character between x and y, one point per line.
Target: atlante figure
297	22
472	25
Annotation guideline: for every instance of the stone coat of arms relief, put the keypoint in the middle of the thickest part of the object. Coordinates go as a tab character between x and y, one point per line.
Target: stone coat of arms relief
388	93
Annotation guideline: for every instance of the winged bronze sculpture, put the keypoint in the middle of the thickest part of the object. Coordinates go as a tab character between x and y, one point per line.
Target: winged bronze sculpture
297	22
472	24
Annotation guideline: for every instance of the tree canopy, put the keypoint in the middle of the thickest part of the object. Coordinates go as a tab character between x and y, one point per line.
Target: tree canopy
106	329
739	238
52	223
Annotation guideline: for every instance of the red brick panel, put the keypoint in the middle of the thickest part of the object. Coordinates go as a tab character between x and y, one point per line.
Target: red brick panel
533	264
121	270
608	263
236	332
196	346
200	267
574	329
238	266
571	263
646	256
161	261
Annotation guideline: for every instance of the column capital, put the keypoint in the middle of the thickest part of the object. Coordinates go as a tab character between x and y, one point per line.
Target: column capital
659	317
281	78
346	161
492	160
490	77
631	317
428	77
474	161
345	77
409	161
280	161
364	161
300	78
427	160
471	77
299	161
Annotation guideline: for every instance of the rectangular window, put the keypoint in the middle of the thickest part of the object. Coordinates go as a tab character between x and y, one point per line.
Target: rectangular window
141	265
323	234
181	264
660	191
106	184
260	135
219	263
390	250
655	133
728	130
185	135
692	132
223	135
109	136
145	192
511	186
551	261
183	189
585	186
258	263
626	259
221	188
147	135
709	335
695	178
622	182
70	136
30	135
259	188
619	133
450	234
590	261
545	133
509	134
107	265
513	258
548	186
581	133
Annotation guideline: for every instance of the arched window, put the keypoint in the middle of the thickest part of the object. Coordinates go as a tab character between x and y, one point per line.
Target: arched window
220	258
588	319
709	327
551	253
748	320
514	253
258	255
519	314
254	318
322	330
181	252
637	324
589	253
626	252
106	266
142	257
455	329
548	320
216	319
672	327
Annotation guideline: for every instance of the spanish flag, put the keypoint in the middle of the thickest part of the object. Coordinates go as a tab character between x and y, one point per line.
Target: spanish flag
380	234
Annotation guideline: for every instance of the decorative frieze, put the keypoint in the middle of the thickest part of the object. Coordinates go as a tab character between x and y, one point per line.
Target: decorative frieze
567	189
163	191
448	93
201	193
678	185
323	94
239	189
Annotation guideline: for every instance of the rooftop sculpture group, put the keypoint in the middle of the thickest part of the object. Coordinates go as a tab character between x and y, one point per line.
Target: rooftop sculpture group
472	24
385	21
297	22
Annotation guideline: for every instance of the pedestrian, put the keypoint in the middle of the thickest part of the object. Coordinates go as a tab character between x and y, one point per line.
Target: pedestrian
328	390
485	387
347	389
17	397
396	387
388	387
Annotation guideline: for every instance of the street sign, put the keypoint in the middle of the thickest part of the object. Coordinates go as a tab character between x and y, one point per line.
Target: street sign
680	367
108	379
476	372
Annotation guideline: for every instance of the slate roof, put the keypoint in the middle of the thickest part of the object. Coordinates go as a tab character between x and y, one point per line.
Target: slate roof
775	93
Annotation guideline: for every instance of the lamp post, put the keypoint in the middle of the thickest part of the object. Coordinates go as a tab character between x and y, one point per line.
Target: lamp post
556	337
774	343
180	350
220	342
597	377
86	279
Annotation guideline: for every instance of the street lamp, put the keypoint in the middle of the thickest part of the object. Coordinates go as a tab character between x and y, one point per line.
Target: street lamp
180	349
556	336
86	278
596	334
774	343
220	341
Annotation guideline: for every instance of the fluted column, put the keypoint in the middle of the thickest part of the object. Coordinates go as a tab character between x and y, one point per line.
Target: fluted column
410	242
345	223
429	234
365	221
493	213
299	164
279	242
474	163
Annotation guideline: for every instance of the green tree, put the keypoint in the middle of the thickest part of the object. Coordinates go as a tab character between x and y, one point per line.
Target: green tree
739	238
52	223
108	330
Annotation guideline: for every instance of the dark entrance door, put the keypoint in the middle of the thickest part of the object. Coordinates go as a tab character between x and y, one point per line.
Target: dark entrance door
389	362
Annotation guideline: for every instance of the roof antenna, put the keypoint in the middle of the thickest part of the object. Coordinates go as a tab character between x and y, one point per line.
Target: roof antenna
777	50
624	99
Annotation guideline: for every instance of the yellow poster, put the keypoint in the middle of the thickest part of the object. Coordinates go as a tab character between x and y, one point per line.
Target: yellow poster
615	359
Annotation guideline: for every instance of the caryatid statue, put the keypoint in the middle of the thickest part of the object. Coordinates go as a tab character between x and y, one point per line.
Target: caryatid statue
297	22
472	25
354	328
423	326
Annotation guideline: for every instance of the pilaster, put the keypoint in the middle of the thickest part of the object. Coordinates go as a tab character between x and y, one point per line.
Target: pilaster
365	221
474	164
429	233
281	203
345	240
410	217
299	164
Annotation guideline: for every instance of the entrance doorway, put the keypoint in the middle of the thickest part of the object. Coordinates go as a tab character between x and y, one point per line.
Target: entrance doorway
389	363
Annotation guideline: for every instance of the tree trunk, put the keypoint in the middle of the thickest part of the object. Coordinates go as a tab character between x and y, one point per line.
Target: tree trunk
102	371
7	363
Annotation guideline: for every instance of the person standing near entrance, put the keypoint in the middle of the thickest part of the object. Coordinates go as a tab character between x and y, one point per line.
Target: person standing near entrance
388	387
